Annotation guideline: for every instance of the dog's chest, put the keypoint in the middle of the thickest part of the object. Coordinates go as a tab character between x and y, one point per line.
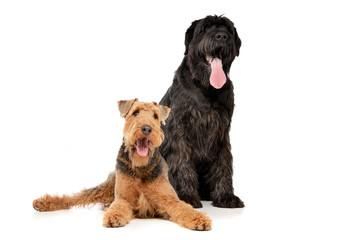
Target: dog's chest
142	206
205	119
207	126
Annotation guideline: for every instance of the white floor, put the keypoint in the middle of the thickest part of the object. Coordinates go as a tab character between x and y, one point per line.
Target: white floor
87	222
266	216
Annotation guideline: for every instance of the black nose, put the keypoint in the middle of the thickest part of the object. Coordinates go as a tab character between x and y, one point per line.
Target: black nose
146	130
221	36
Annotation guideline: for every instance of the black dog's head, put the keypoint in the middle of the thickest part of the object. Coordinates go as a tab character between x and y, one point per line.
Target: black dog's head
212	44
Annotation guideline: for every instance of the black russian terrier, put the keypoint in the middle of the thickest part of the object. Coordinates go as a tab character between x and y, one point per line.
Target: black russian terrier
197	144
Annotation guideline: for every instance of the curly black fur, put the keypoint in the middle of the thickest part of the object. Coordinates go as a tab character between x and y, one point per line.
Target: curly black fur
197	144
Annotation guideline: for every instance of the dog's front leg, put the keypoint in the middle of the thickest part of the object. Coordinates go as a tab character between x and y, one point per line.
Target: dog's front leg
185	215
168	204
120	211
178	157
221	180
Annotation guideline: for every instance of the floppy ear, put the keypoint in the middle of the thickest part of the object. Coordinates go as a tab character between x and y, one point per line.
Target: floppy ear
237	42
164	113
125	106
189	35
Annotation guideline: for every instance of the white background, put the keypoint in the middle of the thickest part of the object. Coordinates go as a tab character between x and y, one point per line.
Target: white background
295	131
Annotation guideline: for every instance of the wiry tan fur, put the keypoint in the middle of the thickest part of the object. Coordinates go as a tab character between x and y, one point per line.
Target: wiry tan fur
142	190
103	193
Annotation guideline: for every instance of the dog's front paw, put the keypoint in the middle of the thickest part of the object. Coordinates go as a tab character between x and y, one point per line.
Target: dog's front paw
114	220
228	201
192	200
198	222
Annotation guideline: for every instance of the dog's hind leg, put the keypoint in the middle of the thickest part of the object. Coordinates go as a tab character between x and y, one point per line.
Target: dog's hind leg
103	193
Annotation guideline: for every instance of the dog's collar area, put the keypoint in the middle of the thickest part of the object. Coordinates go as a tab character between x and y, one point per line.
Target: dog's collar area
145	173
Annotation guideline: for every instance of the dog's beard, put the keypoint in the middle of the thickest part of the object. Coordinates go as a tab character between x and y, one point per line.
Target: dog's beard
210	63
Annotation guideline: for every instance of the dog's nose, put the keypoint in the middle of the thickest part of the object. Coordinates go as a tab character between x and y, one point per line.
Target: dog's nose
146	130
221	36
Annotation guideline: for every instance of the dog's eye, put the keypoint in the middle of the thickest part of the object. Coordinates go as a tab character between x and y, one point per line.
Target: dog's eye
135	113
155	116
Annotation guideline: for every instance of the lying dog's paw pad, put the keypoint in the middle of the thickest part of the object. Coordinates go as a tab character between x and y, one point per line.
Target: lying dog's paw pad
200	222
114	220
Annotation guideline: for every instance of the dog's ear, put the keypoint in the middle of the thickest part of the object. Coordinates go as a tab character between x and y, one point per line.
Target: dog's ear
189	35
164	112
125	106
237	42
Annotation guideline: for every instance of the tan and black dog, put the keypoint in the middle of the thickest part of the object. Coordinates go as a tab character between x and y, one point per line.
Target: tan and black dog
139	187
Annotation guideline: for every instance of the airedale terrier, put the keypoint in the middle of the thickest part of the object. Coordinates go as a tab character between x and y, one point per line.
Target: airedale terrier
139	187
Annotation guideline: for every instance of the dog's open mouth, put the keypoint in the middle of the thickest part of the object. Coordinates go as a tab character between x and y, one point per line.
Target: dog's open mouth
217	76
142	146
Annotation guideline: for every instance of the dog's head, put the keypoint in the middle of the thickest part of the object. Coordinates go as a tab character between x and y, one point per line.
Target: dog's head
212	43
142	130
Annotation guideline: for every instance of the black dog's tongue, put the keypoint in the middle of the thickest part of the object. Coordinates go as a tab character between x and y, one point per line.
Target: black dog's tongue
217	77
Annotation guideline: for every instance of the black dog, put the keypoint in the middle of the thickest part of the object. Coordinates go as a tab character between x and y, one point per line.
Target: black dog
201	98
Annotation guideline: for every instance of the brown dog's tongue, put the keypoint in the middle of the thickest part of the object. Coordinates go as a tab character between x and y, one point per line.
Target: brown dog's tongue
142	147
217	77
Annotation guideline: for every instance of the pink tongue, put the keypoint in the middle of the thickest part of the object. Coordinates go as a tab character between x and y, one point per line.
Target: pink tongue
142	147
217	77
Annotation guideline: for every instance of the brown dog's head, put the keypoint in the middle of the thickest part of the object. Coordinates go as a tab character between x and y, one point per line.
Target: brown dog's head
142	130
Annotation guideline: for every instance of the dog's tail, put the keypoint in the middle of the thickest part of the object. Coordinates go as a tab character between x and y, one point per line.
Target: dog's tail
103	193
